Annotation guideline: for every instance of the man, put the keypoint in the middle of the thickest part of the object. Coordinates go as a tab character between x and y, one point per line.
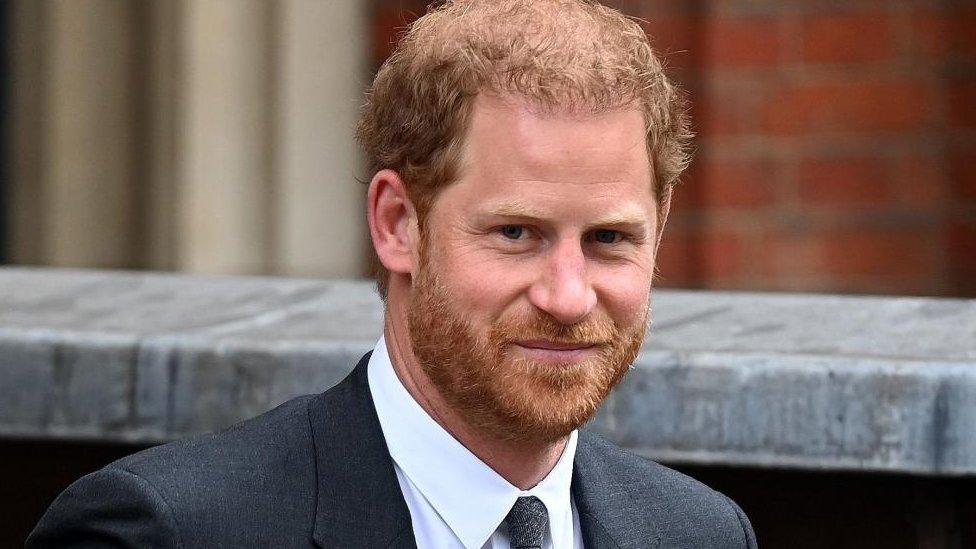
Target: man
524	154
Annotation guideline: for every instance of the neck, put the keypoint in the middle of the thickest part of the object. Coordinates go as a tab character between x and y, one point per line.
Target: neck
522	464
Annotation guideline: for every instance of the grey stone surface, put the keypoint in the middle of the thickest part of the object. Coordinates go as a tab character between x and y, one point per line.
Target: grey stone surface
92	385
784	380
807	411
26	381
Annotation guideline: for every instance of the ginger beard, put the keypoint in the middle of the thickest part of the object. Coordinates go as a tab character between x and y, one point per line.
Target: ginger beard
510	397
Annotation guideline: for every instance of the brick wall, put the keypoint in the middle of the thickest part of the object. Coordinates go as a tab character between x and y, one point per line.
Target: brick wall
837	142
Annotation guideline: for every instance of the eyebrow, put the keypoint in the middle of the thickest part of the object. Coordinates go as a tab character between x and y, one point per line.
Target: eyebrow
512	209
630	215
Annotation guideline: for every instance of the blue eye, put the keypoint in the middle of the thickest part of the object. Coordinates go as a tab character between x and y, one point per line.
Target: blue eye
512	231
606	236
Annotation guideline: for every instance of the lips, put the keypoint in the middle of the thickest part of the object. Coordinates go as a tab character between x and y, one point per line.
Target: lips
542	345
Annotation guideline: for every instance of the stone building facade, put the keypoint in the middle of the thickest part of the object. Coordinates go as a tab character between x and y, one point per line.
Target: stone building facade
836	149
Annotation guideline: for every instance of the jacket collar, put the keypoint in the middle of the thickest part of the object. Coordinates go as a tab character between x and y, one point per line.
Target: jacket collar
359	502
610	516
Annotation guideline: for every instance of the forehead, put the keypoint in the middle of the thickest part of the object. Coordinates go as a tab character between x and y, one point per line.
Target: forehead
513	151
501	125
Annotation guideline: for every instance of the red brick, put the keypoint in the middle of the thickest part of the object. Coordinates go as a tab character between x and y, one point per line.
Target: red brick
723	109
721	255
923	181
690	257
789	256
860	106
678	260
675	37
717	119
962	104
962	32
685	197
389	23
904	253
857	254
846	37
963	170
846	183
930	33
944	33
715	113
744	184
742	41
962	248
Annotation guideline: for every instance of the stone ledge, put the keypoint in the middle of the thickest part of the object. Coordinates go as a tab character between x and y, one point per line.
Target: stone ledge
778	380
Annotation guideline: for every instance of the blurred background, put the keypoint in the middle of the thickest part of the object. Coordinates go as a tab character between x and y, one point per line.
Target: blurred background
836	152
836	148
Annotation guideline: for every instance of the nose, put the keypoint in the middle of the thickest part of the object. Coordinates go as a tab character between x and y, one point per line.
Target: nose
562	289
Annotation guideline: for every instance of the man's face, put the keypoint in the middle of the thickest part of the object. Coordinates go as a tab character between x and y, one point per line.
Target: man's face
531	299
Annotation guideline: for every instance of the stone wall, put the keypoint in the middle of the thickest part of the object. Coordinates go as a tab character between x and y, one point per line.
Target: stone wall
816	382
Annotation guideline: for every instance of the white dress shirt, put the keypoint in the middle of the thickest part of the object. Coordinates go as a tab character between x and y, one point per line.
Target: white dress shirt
455	500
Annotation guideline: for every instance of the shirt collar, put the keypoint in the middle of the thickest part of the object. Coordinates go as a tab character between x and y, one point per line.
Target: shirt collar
470	496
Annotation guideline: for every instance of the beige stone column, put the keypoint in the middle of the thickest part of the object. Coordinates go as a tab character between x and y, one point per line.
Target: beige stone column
88	131
321	57
198	135
225	144
163	131
24	133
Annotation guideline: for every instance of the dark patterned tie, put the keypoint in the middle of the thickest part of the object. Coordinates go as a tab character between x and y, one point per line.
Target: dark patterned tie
527	523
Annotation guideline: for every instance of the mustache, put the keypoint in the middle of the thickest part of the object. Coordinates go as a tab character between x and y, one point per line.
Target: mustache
539	326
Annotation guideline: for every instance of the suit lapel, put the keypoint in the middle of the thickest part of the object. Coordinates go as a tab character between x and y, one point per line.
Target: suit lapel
594	535
610	518
359	502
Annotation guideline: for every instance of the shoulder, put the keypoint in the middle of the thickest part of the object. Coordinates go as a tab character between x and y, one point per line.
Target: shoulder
265	441
110	507
643	478
681	511
216	486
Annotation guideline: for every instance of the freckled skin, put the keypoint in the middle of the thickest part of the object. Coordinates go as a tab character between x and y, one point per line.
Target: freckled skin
551	215
572	170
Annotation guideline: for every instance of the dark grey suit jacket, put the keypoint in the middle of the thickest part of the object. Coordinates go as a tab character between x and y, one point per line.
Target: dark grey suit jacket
316	472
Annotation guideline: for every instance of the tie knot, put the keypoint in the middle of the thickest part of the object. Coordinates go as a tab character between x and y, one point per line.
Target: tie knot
527	523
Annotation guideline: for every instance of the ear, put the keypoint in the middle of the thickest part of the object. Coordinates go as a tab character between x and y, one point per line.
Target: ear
392	222
663	209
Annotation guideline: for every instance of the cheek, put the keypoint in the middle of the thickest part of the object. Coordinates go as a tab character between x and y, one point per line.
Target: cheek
625	293
483	287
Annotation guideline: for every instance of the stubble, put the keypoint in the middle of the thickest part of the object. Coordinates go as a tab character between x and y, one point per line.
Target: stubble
505	395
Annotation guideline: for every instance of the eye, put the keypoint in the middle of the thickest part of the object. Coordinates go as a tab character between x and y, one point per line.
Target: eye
607	236
513	232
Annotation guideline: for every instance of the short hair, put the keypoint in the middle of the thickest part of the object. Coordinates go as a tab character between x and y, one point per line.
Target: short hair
560	55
